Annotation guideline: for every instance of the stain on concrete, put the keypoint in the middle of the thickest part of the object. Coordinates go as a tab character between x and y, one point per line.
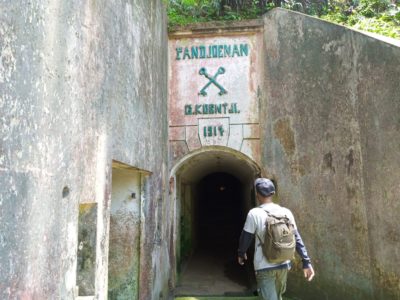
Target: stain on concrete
297	169
388	283
178	150
349	161
328	162
86	264
124	257
284	133
7	52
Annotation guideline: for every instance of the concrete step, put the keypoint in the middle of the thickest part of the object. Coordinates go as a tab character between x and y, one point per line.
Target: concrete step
220	298
217	298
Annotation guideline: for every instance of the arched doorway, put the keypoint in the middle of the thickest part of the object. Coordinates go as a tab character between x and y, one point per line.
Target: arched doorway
213	192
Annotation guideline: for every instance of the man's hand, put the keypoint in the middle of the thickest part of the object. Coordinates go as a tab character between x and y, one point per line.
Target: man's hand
242	259
309	273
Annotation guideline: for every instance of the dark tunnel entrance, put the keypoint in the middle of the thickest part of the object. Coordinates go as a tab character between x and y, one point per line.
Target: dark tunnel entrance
215	192
220	212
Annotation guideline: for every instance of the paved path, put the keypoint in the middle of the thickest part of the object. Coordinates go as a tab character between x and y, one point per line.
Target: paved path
209	273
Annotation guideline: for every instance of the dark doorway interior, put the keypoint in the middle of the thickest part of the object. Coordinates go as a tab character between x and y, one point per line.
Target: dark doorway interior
220	212
219	217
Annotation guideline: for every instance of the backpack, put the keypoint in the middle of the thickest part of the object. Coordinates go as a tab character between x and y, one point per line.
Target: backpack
279	240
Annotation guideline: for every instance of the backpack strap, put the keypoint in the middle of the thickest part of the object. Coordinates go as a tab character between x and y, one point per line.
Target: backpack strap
276	216
269	214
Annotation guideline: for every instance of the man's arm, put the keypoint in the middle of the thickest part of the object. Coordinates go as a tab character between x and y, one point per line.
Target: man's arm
302	251
244	243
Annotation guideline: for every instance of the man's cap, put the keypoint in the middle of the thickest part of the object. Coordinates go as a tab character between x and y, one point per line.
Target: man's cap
264	187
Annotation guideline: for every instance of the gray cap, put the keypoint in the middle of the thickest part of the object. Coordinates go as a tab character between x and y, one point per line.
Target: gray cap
264	187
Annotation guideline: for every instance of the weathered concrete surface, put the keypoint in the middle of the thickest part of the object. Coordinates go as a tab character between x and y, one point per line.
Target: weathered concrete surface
81	83
330	138
124	235
87	236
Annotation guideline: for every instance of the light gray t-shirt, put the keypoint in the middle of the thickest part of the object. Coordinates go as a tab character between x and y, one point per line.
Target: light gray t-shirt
255	224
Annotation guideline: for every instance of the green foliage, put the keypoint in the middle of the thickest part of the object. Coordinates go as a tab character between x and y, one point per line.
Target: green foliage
378	16
182	12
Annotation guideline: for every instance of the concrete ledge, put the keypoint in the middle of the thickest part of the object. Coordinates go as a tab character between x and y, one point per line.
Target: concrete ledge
217	27
291	14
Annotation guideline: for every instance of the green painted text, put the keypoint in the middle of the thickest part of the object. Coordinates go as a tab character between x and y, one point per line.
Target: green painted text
211	109
212	51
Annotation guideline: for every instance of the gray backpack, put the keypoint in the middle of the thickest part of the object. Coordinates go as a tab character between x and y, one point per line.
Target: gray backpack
279	240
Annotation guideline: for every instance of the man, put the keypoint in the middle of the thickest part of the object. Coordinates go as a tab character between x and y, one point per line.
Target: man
271	277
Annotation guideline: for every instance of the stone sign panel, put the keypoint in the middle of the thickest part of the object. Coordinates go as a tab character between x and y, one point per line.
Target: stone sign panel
214	131
214	83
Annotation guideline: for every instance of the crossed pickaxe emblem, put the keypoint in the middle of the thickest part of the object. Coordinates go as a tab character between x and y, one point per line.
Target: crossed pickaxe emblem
203	71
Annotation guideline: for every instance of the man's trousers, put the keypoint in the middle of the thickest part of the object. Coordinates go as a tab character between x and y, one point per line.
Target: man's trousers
271	283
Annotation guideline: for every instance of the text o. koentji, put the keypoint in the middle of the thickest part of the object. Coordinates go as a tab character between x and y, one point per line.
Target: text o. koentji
211	109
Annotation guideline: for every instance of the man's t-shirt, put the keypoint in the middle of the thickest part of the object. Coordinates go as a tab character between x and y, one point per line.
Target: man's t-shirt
255	224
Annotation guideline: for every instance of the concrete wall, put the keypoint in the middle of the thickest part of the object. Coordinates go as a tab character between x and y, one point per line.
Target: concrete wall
82	83
330	138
